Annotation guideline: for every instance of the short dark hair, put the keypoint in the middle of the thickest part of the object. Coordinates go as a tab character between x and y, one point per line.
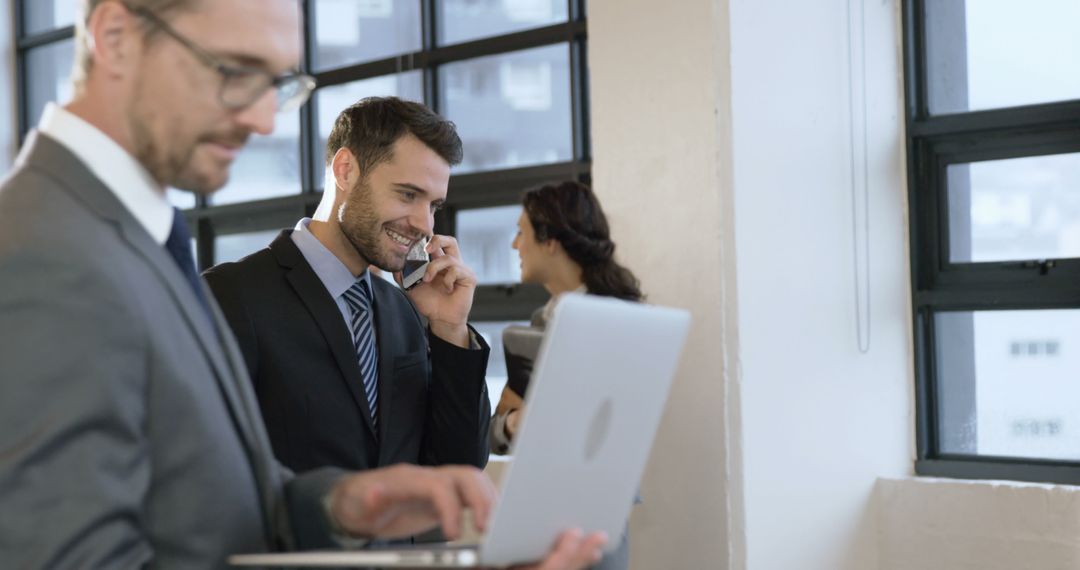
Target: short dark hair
370	127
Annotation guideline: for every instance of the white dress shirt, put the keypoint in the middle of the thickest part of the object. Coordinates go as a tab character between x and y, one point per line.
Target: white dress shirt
143	197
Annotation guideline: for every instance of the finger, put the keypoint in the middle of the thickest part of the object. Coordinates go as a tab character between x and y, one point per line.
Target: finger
450	277
445	245
572	551
477	492
593	548
452	271
563	555
447	503
434	249
437	266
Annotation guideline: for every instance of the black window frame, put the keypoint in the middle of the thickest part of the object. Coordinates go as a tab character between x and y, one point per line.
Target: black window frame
484	189
934	141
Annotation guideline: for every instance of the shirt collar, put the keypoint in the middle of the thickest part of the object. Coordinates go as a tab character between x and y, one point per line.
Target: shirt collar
331	271
109	162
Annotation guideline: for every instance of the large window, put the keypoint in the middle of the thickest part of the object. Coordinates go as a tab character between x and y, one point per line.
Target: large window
510	73
993	127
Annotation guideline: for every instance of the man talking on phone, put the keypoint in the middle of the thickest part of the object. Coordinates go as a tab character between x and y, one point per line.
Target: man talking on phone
346	371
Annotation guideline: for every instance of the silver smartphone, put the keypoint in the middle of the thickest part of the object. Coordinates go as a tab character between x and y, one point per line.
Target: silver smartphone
416	262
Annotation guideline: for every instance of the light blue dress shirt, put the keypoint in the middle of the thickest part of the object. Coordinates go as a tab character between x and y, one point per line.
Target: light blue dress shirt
328	268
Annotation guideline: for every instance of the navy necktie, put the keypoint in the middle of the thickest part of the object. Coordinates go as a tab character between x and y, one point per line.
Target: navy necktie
358	298
179	247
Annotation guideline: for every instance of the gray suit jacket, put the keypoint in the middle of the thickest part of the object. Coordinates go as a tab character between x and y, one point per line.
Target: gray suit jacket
129	434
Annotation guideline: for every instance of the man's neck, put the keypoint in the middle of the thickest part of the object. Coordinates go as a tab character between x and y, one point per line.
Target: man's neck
329	234
106	119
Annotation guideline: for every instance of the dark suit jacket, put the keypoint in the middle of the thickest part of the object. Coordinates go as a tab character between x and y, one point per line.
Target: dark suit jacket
433	403
129	434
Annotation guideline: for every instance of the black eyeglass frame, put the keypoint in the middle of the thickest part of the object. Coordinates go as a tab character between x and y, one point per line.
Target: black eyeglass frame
293	88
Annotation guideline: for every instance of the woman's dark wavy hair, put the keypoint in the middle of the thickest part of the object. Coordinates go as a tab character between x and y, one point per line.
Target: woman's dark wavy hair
569	213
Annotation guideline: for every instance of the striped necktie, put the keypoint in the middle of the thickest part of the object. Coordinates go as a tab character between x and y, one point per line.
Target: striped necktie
358	298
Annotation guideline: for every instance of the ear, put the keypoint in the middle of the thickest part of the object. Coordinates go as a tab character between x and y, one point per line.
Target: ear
346	171
113	38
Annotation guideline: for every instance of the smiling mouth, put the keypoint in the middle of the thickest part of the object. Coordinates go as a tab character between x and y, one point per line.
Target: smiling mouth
399	238
226	150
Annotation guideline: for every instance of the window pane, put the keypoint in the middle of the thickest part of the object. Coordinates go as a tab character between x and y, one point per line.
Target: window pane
1016	209
988	54
232	247
48	76
496	369
511	110
355	31
485	235
45	15
333	100
464	20
268	167
1008	384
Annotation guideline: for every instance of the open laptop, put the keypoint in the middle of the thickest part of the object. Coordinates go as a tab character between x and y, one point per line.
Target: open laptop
595	400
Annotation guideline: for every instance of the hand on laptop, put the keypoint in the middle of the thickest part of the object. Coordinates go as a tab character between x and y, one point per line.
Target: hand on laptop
572	552
404	500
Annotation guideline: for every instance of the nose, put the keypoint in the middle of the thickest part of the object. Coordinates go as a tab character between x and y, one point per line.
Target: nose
258	117
514	244
423	219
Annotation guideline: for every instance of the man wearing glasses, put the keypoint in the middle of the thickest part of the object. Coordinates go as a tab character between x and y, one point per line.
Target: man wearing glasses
129	434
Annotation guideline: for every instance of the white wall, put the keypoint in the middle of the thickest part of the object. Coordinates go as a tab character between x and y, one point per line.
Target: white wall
821	420
8	124
661	139
722	135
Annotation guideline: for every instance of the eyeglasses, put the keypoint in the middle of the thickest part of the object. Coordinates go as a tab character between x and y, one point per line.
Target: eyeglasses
241	86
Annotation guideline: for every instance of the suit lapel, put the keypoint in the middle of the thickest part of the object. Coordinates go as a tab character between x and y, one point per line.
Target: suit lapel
386	321
327	316
232	380
46	154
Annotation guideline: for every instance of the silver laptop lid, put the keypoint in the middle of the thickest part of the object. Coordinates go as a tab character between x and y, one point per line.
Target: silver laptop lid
595	400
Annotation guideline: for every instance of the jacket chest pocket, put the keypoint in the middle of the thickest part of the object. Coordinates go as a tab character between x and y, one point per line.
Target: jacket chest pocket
409	380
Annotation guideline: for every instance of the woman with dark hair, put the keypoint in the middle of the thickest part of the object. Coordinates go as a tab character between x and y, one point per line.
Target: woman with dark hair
564	245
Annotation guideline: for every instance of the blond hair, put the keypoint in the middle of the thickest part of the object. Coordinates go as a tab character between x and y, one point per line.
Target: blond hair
84	60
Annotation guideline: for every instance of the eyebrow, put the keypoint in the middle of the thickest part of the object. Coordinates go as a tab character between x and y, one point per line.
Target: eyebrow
248	60
415	188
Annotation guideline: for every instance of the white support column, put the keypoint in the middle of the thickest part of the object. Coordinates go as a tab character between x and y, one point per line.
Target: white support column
661	134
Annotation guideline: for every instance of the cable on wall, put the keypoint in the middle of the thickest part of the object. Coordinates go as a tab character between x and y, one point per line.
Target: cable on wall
860	171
